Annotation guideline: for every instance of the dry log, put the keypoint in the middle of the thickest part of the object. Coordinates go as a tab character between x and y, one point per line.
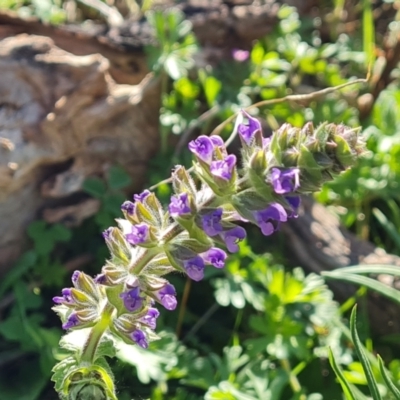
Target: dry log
62	119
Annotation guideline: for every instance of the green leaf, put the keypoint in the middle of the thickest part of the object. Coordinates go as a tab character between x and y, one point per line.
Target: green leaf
388	226
370	283
60	233
366	269
106	348
95	187
342	380
212	86
25	262
372	384
62	370
389	383
118	178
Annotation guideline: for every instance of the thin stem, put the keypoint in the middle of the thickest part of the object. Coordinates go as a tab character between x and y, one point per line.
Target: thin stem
182	308
93	340
144	258
293	381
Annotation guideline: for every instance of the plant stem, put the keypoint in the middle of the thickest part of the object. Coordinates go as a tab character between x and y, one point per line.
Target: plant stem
293	381
182	309
93	340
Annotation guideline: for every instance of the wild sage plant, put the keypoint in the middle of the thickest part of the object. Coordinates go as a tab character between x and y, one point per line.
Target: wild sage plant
121	302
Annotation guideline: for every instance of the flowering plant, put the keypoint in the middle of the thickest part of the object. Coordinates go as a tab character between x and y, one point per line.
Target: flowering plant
202	221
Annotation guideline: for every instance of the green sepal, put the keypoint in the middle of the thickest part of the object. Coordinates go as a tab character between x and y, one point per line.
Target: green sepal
323	160
193	245
259	185
144	214
247	201
321	134
113	296
80	297
118	246
182	181
343	152
86	284
275	149
306	162
155	208
258	162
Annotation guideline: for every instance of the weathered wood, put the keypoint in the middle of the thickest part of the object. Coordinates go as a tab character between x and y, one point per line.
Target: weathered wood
62	119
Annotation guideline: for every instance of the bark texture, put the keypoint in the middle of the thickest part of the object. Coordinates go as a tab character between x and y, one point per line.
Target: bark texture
62	119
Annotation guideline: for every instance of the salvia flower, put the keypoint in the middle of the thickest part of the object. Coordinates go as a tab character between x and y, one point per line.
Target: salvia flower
150	319
268	219
232	237
142	196
128	207
217	141
203	148
195	268
75	276
211	222
248	131
215	257
285	181
295	204
132	299
65	298
140	233
139	337
179	205
71	322
167	296
223	168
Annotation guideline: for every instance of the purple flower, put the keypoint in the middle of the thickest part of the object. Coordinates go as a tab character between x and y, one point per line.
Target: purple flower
248	131
100	279
75	276
223	168
295	204
203	148
139	337
179	205
211	222
106	234
71	322
142	196
66	297
268	220
232	237
132	300
139	234
217	140
285	181
195	268
166	296
150	318
215	257
240	55
128	207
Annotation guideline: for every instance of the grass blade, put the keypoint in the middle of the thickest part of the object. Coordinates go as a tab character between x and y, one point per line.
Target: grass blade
342	380
370	283
368	33
366	269
372	384
389	383
388	226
